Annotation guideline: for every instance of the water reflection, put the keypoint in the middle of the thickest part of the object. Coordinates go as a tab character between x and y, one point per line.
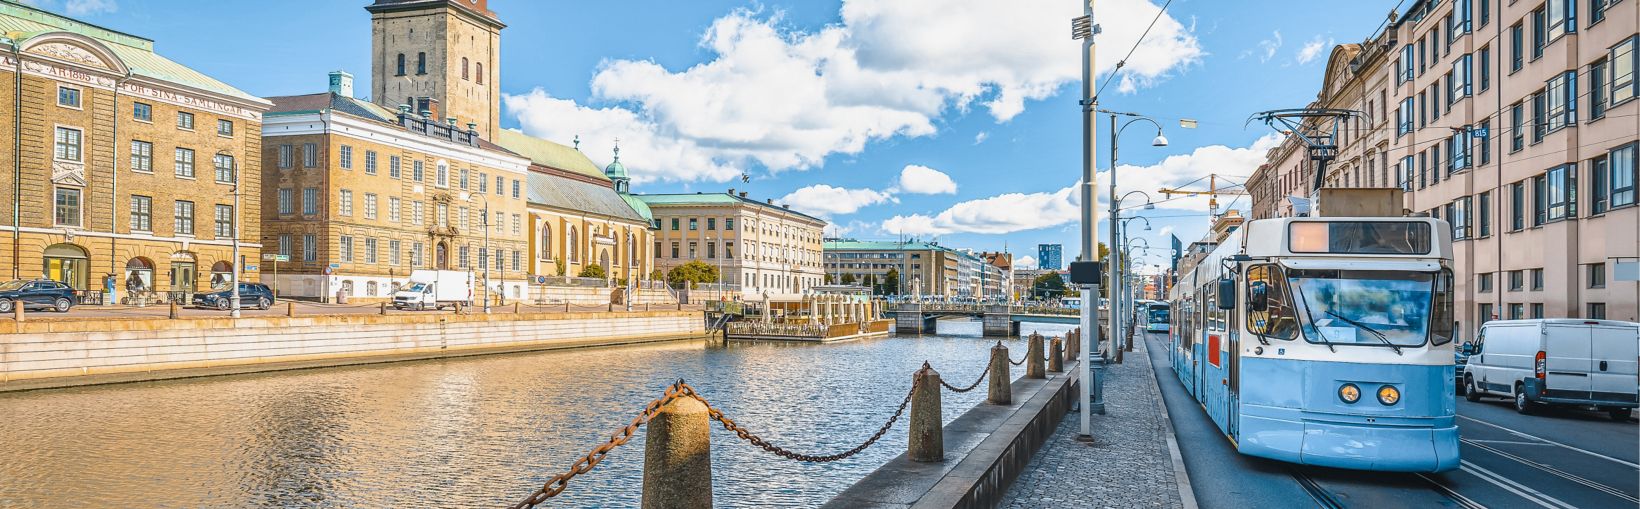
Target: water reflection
471	432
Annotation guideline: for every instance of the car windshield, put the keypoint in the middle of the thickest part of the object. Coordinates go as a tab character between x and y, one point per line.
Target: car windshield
12	285
1359	307
418	287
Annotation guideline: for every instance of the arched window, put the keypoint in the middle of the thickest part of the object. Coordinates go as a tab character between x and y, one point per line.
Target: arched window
478	72
464	74
574	247
400	68
544	244
421	63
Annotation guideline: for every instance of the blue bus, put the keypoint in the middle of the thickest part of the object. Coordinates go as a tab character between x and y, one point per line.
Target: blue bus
1157	317
1324	341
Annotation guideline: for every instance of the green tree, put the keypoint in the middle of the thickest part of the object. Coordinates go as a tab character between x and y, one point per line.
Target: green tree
829	279
891	282
870	282
1048	286
695	272
559	262
594	270
657	275
848	279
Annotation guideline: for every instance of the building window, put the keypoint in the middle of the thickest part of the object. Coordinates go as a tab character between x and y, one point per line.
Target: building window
1537	279
184	216
1517	311
1597	89
142	156
1597	311
442	215
370	250
518	224
68	144
1458	215
441	177
416	213
1458	86
393	205
68	97
1540	200
1517	280
370	162
310	248
1484	214
224	221
224	127
1560	184
184	160
1540	116
711	223
674	250
1485	313
1537	310
417	171
310	201
310	155
346	155
286	199
1597	275
694	224
421	63
1623	175
224	168
1540	31
284	244
728	249
729	224
1486	68
515	188
484	183
694	251
370	206
285	156
1517	126
416	250
1517	206
344	202
463	181
674	225
1485	143
142	213
464	74
1517	47
711	250
1561	101
393	247
1562	17
1484	282
143	112
346	245
1623	60
393	167
398	68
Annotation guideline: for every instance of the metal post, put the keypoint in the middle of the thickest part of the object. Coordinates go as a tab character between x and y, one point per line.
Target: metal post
1090	295
487	252
233	296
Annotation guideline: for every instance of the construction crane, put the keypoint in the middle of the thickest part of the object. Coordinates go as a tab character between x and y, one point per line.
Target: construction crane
1213	191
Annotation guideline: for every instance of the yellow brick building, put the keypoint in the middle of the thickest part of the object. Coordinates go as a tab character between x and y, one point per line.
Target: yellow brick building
120	166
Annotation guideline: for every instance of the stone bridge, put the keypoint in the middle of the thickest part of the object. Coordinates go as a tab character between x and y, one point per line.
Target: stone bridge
999	319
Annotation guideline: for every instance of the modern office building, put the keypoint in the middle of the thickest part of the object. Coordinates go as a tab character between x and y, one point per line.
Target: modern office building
1050	256
123	169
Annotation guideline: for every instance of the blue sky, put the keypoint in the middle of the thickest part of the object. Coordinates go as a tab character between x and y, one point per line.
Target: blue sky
867	112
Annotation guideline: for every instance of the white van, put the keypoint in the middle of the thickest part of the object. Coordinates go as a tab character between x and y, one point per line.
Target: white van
1573	362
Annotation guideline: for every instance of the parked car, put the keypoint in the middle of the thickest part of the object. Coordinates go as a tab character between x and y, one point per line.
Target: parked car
251	295
1567	362
41	293
1460	361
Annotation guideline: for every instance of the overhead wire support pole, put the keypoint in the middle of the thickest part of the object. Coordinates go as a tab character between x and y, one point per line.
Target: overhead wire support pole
1083	29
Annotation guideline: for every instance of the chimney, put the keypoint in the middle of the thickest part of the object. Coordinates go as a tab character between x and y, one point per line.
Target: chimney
769	201
742	194
341	83
731	191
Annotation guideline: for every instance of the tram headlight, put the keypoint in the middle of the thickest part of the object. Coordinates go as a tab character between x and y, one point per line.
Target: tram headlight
1349	393
1388	395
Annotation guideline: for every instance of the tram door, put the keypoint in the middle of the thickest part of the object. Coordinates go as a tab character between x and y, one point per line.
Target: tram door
1233	329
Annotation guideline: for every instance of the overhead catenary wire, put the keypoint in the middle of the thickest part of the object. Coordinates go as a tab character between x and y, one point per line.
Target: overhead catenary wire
1123	61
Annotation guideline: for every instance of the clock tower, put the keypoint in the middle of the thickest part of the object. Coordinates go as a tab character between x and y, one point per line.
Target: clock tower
438	56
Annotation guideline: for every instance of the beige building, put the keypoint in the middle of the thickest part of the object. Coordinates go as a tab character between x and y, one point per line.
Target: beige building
924	269
120	164
580	216
1514	121
439	56
758	247
358	196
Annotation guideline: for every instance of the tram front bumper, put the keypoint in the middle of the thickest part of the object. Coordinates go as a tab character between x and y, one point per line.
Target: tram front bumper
1351	445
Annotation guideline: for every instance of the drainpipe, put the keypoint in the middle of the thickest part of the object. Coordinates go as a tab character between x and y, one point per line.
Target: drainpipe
17	166
114	190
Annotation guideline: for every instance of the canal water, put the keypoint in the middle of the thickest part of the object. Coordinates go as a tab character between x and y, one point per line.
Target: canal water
473	432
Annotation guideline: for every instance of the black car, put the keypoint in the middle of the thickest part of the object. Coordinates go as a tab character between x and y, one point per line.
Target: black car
41	293
251	295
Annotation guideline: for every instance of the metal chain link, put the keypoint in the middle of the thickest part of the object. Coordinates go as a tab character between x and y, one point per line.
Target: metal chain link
970	386
729	424
583	465
1021	360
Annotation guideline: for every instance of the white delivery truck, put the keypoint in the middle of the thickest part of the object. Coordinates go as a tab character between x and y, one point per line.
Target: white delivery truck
435	289
1566	361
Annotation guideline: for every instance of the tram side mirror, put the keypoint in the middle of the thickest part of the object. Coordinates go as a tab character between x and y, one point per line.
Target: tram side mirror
1258	296
1227	294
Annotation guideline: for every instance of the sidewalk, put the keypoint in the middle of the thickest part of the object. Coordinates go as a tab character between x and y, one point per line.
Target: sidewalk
1132	464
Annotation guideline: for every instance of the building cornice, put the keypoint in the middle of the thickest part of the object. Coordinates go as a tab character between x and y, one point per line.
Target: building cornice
329	122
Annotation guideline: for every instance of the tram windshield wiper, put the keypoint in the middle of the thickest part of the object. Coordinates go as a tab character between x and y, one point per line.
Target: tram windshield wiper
1375	333
1311	316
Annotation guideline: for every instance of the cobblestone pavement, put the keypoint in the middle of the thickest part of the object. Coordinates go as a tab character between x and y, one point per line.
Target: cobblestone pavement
1129	466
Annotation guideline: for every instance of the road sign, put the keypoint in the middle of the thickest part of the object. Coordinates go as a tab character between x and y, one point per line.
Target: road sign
269	257
251	267
335	265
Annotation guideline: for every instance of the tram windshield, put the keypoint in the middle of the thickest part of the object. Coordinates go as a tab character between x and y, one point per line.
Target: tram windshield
1363	307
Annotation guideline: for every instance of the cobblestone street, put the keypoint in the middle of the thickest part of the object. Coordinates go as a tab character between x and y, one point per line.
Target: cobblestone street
1129	466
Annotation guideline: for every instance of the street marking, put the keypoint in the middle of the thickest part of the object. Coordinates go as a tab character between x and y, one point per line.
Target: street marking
1541	439
1558	472
1518	489
1462	501
1509	442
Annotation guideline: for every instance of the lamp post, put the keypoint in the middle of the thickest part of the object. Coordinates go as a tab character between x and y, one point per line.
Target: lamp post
1083	28
1124	269
233	283
1127	294
482	259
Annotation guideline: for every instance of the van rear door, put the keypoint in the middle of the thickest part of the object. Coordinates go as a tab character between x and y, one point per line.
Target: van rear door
1568	361
1616	349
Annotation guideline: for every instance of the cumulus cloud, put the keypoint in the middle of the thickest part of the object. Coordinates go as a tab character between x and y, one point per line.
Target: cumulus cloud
918	179
825	201
1027	262
1013	212
786	99
1313	49
981	137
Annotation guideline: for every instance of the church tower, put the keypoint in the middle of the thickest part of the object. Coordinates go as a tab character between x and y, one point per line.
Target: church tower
438	56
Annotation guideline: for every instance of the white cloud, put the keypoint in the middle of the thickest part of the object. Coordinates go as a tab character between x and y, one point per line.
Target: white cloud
1266	48
1027	262
88	7
981	137
920	179
787	99
825	201
834	230
1012	212
1313	49
1164	231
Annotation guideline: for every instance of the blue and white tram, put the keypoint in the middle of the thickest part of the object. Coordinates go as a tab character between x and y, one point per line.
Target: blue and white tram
1325	341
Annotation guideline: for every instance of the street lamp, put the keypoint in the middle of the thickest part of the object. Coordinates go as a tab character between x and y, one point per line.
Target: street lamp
233	292
1115	211
468	196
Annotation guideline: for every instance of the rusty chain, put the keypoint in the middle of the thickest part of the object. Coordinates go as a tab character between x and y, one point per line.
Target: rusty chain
729	424
1021	360
583	465
970	386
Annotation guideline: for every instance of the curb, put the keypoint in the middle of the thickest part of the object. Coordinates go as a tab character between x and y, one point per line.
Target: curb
1180	475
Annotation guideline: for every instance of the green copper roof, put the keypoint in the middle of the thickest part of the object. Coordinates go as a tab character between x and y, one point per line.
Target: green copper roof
716	199
547	153
639	205
880	245
137	53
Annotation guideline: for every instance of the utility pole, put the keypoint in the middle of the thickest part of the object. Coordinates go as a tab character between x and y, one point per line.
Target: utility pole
1084	29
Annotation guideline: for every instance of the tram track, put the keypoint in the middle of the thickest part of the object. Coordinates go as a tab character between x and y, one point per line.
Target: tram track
1328	499
1554	471
1323	498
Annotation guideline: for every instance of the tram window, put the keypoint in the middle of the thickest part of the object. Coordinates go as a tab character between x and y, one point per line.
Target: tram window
1359	237
1277	319
1441	322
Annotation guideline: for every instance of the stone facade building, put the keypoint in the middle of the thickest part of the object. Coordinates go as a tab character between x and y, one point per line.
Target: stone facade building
121	165
759	247
439	56
1513	121
580	216
924	268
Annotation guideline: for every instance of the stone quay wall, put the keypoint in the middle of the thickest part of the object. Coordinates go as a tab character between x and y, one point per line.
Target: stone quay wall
59	353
